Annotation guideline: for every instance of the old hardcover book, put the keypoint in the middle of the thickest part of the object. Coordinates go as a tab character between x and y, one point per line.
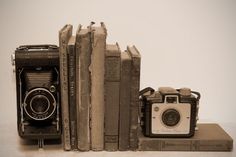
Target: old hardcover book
83	84
112	97
64	36
124	121
72	92
209	137
134	96
97	87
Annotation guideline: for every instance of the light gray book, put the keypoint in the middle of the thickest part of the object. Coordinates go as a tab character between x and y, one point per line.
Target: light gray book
208	137
83	84
134	104
64	36
125	85
112	97
97	87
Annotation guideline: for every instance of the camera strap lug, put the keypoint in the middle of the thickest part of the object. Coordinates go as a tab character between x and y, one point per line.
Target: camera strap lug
145	91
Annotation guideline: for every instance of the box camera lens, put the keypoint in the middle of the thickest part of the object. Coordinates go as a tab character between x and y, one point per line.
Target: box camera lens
171	117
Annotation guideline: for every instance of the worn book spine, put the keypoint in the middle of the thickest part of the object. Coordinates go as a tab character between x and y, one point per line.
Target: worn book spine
64	36
97	87
134	104
72	93
124	121
83	61
217	145
168	145
112	97
185	145
209	137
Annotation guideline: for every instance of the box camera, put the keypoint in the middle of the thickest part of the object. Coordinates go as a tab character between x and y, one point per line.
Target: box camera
169	112
38	91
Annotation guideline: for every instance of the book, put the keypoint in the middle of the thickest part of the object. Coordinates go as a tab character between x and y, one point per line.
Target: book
124	121
208	137
64	35
72	92
83	84
112	97
98	36
134	96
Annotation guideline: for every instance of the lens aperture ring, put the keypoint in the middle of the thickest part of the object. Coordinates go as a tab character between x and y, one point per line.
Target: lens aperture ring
39	104
171	117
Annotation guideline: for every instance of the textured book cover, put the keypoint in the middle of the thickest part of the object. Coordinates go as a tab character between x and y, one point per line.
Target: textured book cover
124	121
83	61
64	36
112	97
134	104
72	92
208	137
97	86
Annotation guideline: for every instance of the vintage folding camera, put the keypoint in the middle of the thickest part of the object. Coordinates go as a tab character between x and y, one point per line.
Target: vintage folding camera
169	112
38	91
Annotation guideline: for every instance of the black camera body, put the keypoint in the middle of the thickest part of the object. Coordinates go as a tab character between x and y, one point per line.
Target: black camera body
169	112
38	91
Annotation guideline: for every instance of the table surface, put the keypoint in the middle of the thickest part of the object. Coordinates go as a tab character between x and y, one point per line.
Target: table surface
13	145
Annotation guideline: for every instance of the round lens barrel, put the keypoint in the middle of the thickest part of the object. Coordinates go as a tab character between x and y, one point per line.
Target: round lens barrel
40	104
171	117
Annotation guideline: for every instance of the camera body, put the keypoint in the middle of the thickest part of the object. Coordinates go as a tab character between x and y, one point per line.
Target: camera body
169	112
38	91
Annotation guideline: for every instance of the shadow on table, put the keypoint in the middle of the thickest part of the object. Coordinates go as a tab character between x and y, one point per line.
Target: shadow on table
32	145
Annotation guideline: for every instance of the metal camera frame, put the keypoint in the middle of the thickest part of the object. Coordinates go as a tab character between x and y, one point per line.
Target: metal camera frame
33	57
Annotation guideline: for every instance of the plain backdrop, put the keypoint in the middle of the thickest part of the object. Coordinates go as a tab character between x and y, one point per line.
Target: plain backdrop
183	43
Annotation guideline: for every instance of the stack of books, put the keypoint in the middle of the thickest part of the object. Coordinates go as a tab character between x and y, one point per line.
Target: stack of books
100	99
99	91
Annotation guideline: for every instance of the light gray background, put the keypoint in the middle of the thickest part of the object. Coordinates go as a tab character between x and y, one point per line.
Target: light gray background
183	43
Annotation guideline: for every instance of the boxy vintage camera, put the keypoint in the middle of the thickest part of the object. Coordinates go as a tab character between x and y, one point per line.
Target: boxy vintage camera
38	92
169	112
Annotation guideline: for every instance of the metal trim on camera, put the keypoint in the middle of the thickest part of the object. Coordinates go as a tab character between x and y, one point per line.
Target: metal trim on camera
169	112
35	106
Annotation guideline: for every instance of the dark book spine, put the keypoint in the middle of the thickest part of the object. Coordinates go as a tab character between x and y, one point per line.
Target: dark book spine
83	61
72	98
112	95
134	104
124	121
64	36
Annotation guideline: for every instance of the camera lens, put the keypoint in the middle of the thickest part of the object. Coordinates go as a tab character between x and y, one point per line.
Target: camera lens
39	104
171	117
